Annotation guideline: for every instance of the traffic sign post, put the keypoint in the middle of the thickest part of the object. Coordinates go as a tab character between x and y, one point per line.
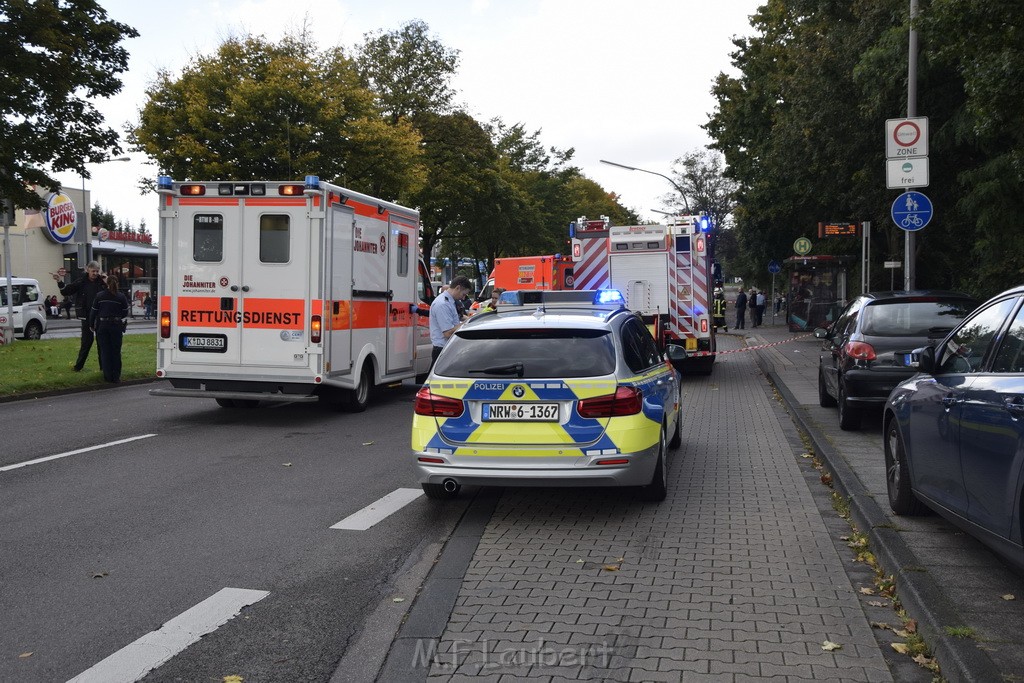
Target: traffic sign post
906	138
891	266
911	211
903	173
773	268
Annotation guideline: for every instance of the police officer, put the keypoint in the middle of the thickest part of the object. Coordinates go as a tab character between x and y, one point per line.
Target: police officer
444	316
84	291
108	320
719	309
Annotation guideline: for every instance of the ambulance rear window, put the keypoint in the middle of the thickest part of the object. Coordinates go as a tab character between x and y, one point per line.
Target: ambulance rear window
274	243
208	238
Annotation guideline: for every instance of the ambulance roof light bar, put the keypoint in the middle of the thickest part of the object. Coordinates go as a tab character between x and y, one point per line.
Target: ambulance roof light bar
312	185
164	184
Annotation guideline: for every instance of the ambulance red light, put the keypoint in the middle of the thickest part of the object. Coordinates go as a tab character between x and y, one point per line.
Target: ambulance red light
315	328
290	190
165	324
193	190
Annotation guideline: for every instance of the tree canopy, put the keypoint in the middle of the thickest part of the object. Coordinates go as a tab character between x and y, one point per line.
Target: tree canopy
56	59
802	129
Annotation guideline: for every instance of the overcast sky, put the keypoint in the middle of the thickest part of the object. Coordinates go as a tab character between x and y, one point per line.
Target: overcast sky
623	80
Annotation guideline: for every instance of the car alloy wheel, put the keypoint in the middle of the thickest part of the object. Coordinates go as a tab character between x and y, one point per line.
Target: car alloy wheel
849	416
897	476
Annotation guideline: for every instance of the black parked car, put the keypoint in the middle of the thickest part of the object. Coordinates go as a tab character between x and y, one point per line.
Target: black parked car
856	368
954	434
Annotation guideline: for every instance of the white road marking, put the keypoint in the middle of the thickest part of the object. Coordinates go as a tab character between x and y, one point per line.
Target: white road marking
75	452
375	512
135	660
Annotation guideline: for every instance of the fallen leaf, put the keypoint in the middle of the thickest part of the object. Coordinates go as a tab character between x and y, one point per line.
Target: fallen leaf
878	603
232	679
24	655
910	626
100	575
867	591
579	561
620	559
902	648
880	624
927	663
829	646
844	538
287	464
826	479
611	568
901	633
1009	596
367	443
807	455
397	599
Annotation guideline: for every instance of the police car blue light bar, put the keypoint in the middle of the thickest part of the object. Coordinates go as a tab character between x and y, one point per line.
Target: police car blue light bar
609	296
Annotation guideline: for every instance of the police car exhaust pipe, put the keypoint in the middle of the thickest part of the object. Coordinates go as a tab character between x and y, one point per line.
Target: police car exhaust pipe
450	485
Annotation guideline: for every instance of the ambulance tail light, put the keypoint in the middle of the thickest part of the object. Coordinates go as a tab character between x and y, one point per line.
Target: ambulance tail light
625	401
290	190
165	325
192	190
315	328
432	405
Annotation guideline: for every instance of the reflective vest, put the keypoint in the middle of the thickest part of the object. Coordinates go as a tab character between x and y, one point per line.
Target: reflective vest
719	308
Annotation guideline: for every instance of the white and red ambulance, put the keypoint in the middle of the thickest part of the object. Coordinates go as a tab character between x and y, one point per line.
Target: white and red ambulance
287	291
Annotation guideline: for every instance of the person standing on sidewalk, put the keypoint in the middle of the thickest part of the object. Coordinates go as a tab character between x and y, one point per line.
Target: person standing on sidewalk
759	305
84	291
741	309
444	315
108	319
718	310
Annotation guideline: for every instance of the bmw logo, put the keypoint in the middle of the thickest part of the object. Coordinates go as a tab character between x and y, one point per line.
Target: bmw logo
518	391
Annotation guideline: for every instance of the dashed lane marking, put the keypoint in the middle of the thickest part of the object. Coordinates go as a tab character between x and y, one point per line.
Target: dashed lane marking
379	510
135	660
74	452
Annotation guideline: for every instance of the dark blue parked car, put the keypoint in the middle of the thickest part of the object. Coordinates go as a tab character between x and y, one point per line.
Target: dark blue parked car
954	433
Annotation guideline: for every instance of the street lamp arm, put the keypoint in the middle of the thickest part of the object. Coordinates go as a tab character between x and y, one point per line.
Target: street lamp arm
644	170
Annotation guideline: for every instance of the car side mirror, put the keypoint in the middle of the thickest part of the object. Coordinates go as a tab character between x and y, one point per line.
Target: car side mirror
820	333
676	352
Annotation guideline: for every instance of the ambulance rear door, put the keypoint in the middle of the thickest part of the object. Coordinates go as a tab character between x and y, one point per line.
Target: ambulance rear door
279	263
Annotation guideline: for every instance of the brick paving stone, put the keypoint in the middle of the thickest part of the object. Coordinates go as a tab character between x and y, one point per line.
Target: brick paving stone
735	574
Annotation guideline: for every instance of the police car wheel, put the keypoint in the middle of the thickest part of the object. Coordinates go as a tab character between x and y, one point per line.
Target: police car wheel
677	435
655	491
437	492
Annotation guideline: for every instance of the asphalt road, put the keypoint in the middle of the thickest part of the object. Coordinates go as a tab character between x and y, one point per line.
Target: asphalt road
102	547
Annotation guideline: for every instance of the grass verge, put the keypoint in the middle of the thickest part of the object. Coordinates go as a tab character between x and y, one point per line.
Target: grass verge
29	367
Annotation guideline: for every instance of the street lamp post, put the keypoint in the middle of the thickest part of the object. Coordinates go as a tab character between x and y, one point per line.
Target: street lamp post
643	170
85	246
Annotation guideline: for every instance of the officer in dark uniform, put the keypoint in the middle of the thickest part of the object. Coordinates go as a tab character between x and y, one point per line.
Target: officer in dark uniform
84	292
108	319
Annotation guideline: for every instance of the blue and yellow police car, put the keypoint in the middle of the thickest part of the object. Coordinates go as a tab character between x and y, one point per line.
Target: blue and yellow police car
555	388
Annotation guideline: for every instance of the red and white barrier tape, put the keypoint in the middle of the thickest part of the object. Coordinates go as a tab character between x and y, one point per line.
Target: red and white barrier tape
763	346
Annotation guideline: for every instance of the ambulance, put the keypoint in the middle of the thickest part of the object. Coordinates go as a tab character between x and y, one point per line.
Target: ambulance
549	272
287	291
664	273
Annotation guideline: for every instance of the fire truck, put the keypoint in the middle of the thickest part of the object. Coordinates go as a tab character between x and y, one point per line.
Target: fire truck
287	291
663	272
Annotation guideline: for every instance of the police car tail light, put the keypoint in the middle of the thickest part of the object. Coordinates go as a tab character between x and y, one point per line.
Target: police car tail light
165	324
860	351
432	405
315	328
625	401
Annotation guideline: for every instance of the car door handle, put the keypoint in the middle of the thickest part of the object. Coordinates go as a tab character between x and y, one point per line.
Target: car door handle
1015	406
951	400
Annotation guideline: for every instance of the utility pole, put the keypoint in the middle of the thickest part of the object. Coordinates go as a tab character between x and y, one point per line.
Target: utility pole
908	244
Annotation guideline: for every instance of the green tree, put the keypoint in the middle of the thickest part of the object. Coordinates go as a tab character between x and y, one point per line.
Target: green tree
408	70
58	58
262	110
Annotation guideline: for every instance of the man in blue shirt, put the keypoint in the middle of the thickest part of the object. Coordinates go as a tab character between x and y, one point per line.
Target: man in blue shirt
444	315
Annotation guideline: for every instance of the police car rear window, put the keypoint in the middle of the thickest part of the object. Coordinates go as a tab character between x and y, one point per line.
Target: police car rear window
543	354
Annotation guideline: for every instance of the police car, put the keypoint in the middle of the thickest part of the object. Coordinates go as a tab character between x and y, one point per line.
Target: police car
556	388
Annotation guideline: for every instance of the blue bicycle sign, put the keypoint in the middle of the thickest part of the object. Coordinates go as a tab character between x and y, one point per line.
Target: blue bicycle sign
911	211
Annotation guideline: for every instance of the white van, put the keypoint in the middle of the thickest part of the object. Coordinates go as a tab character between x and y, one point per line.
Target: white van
29	307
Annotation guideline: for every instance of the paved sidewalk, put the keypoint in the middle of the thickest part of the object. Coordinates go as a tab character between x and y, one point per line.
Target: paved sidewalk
734	577
944	577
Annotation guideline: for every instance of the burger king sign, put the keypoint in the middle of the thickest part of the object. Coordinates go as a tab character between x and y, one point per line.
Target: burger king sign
60	218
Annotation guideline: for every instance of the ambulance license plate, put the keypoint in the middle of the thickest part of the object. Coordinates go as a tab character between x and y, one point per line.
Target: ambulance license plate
520	412
204	343
691	344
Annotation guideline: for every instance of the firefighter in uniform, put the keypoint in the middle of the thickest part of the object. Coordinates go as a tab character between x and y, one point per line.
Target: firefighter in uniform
719	310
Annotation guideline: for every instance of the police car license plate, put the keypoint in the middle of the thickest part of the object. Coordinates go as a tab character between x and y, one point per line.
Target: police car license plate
208	343
520	412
